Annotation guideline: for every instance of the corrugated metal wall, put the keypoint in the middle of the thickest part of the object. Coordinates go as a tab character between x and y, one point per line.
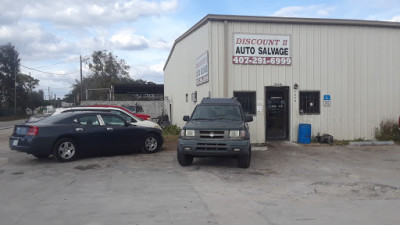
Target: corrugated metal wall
180	75
359	66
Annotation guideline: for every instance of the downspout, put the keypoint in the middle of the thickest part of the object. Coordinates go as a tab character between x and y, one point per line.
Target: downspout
226	59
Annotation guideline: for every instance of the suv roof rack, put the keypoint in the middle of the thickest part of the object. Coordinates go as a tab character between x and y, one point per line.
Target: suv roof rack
208	100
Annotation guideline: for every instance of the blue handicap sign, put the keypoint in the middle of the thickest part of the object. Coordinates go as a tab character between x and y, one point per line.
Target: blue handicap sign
327	97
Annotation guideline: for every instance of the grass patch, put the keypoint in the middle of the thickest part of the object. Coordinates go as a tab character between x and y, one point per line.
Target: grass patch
171	130
388	131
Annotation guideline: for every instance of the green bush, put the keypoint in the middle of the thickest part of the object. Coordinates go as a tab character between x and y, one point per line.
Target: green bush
387	131
171	130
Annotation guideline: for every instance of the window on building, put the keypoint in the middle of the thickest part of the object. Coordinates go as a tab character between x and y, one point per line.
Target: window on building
309	102
247	100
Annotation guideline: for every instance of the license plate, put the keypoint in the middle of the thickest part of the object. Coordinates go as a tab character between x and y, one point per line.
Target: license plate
15	142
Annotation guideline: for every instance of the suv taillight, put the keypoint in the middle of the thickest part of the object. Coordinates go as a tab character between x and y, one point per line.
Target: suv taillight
33	131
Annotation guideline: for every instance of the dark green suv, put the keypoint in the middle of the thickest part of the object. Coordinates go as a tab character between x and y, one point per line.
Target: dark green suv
217	127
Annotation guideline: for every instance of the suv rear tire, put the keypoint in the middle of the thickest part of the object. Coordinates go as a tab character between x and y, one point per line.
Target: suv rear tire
184	160
244	160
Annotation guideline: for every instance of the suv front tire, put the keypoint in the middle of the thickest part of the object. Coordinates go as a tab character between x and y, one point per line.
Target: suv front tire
244	160
184	160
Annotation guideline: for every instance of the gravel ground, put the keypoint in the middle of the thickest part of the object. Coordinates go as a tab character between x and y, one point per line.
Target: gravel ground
286	184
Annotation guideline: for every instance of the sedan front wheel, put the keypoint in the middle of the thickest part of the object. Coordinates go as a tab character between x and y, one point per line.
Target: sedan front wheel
65	150
151	144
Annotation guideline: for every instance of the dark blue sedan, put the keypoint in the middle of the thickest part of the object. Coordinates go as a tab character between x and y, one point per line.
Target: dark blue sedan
68	135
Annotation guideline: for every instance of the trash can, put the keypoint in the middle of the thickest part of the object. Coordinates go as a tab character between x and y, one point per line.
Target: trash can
304	133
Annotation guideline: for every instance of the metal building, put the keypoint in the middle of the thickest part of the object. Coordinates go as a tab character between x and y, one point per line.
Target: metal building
340	76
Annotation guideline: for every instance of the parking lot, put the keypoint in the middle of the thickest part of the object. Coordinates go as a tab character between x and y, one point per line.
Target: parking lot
286	184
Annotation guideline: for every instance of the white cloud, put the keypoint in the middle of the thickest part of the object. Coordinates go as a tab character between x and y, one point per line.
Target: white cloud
89	12
152	72
396	19
128	40
90	44
12	13
32	40
305	11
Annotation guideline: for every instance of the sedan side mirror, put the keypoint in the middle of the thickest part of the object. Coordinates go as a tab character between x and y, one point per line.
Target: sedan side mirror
185	118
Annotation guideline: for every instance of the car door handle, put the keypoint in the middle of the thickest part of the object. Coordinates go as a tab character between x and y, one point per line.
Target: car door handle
109	129
79	129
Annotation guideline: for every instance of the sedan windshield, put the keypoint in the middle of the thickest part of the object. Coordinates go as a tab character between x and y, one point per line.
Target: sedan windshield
217	112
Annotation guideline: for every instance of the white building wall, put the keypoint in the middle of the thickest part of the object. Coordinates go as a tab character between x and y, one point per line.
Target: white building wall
180	75
357	65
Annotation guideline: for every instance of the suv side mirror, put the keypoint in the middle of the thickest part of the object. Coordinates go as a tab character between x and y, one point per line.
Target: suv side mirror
249	118
185	118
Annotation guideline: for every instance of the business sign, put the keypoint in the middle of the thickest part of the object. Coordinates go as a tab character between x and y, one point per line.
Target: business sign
202	75
261	49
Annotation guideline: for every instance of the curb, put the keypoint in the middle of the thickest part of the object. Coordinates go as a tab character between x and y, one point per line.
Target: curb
370	143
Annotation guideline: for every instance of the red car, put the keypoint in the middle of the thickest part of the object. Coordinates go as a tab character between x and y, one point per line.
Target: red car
140	115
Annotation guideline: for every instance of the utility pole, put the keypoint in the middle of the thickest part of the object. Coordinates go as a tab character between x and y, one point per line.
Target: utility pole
15	91
81	95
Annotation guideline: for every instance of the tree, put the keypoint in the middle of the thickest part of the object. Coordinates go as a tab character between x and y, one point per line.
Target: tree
105	70
9	66
26	96
24	84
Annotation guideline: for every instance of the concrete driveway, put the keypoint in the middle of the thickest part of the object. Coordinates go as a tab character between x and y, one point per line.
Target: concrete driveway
287	184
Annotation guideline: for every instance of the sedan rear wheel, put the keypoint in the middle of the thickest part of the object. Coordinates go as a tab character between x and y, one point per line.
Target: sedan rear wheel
151	144
65	150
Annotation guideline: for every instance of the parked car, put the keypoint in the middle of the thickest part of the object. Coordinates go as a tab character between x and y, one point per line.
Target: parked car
217	127
66	136
118	110
37	117
140	115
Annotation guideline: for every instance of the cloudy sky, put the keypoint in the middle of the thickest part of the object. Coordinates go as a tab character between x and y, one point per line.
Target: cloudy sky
51	35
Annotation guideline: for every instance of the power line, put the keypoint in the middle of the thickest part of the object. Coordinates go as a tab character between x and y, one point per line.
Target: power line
57	63
48	72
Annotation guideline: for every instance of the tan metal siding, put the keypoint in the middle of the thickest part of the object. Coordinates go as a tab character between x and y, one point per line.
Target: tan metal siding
180	74
357	65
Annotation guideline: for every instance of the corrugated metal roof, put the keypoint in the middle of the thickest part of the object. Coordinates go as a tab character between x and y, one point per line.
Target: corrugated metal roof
283	20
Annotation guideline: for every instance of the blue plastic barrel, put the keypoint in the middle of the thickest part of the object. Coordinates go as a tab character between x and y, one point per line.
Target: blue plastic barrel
304	133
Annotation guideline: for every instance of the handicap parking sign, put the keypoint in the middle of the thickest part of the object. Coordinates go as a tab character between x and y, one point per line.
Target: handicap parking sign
327	97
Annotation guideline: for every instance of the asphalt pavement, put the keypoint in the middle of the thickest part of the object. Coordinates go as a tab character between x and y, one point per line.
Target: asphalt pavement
286	184
10	124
